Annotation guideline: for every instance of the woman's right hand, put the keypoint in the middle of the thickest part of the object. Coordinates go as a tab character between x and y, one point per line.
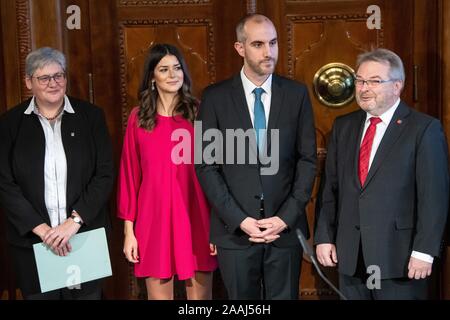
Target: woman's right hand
130	248
212	249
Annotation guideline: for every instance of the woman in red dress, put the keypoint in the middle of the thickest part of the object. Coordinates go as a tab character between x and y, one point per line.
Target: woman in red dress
165	211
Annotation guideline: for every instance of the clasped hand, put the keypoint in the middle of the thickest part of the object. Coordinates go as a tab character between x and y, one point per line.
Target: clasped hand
57	238
264	230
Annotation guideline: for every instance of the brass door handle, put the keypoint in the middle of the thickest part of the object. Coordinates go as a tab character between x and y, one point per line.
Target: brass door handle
334	84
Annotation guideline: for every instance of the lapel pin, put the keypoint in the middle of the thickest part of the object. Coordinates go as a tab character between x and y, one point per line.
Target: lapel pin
399	121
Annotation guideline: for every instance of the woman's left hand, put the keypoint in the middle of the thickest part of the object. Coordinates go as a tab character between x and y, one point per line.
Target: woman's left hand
57	238
212	249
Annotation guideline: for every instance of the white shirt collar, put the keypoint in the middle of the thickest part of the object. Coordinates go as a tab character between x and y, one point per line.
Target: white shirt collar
250	86
386	117
32	106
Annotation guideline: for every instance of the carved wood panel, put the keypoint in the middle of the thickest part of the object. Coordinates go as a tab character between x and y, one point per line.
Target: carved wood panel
314	41
24	40
129	3
194	38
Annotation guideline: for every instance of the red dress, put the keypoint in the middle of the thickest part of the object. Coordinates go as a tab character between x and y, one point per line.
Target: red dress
165	201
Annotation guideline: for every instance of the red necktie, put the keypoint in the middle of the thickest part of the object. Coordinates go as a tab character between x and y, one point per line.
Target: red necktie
366	148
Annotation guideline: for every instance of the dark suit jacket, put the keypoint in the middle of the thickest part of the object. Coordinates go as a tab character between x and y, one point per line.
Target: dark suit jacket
89	169
404	201
234	189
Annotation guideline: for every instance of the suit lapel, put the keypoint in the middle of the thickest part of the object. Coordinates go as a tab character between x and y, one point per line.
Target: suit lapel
241	108
275	107
355	144
70	125
240	103
393	132
35	141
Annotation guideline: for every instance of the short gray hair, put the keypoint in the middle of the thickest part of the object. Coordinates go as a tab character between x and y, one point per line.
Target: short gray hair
42	57
385	56
258	18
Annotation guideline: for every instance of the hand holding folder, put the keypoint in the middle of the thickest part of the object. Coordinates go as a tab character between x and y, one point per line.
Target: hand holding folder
89	260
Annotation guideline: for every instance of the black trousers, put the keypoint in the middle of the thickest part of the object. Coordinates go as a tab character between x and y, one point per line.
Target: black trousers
355	287
262	271
27	278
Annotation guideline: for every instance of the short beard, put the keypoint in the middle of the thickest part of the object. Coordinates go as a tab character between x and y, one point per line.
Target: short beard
258	70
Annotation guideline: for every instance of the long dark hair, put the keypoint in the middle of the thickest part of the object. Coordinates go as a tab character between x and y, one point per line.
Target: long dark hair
187	104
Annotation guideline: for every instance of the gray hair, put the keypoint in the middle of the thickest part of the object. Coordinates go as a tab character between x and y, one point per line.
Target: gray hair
42	57
385	56
258	18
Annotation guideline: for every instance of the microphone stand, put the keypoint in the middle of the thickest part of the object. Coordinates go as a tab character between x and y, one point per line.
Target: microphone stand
310	253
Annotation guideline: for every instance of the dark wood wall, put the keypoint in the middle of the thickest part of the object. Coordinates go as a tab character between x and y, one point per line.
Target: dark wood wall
2	72
105	59
444	88
6	285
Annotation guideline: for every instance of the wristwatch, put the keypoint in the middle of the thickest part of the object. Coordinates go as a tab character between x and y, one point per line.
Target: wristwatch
76	219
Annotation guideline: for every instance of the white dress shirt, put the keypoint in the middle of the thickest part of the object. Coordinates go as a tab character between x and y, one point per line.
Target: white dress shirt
55	165
266	97
381	130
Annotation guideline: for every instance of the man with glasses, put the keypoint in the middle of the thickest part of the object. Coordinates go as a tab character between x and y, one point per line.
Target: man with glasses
384	197
56	172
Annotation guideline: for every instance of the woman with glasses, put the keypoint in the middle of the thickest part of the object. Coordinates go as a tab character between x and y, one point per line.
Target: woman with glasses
56	172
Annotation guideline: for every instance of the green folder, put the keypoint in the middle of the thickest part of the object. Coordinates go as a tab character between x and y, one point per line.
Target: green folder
88	260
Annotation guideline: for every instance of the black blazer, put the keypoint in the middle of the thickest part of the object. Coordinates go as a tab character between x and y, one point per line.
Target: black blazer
234	190
89	169
404	202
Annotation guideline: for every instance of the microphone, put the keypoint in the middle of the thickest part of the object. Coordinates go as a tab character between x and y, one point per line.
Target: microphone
310	253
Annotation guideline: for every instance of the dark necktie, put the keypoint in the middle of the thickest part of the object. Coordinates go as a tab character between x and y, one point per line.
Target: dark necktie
260	118
366	148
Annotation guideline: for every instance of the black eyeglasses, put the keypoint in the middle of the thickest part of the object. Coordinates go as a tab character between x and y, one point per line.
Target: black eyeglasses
371	83
45	79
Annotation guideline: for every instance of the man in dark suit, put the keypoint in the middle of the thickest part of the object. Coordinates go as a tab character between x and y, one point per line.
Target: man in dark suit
257	206
386	189
56	172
